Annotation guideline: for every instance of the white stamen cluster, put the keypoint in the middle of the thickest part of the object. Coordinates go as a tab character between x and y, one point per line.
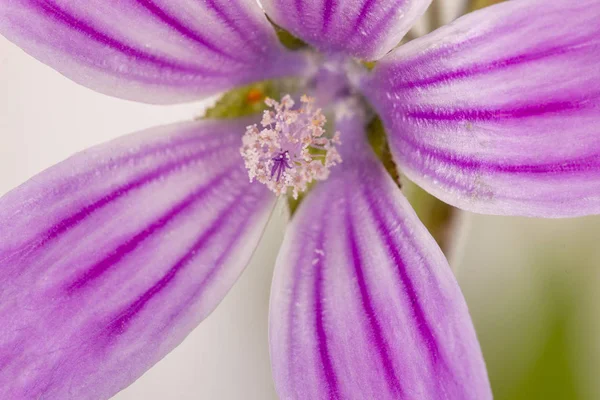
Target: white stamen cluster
291	150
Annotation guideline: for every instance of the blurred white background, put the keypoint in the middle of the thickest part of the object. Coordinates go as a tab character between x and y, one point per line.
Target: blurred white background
530	284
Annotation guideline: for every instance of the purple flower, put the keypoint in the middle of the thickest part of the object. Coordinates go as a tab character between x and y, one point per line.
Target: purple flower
110	258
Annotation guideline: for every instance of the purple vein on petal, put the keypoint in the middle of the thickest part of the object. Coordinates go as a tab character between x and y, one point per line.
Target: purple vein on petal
402	69
178	26
303	259
52	10
362	16
220	262
60	227
230	22
160	148
380	343
299	6
477	69
98	269
164	147
378	27
231	244
119	324
321	335
466	163
377	30
69	222
581	164
436	114
328	10
421	321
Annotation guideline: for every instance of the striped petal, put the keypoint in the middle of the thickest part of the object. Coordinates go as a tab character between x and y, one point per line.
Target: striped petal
366	29
155	51
364	304
499	112
109	259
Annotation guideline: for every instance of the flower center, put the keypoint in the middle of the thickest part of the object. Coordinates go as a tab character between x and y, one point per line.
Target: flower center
291	150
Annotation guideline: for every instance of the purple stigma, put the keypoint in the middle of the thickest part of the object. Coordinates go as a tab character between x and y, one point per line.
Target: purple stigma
280	164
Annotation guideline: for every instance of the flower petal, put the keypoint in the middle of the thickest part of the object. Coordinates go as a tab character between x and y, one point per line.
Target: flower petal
499	112
111	258
155	51
364	304
366	29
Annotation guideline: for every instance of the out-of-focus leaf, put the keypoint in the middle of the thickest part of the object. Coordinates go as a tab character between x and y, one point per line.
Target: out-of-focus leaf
551	376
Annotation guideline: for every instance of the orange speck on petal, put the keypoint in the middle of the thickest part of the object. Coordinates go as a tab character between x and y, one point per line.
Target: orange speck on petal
254	96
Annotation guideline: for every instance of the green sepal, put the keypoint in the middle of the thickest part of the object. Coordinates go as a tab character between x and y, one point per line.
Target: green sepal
378	141
293	204
290	41
249	99
369	64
